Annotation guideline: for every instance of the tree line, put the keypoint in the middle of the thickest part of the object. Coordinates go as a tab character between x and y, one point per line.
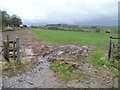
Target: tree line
10	20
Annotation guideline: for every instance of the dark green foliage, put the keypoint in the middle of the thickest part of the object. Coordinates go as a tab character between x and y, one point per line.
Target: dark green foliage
15	21
5	18
78	28
8	20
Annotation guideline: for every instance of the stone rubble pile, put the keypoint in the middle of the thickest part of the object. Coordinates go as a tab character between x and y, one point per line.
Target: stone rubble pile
70	54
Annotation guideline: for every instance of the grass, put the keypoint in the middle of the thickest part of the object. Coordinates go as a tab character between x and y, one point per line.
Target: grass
65	71
99	59
12	68
77	38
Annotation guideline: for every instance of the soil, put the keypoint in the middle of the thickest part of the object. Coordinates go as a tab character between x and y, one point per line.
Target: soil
37	74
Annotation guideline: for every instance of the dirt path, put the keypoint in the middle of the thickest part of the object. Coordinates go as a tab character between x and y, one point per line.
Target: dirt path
40	76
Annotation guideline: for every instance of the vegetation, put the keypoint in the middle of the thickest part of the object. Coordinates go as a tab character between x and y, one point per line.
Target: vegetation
12	68
79	38
98	58
65	71
15	21
77	28
12	21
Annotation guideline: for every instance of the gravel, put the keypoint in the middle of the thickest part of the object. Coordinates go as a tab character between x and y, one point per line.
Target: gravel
41	76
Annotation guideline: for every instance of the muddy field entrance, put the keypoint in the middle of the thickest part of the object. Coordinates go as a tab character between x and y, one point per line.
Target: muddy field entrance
36	56
25	52
34	65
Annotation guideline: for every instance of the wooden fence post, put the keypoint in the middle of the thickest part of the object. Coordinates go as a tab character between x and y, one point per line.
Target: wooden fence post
18	50
8	44
110	48
14	49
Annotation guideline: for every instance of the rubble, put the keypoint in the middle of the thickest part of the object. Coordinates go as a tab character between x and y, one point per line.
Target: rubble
70	54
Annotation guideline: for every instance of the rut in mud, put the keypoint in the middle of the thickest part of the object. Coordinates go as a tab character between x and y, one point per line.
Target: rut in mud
39	75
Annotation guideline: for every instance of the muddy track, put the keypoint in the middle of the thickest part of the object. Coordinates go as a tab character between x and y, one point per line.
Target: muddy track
41	76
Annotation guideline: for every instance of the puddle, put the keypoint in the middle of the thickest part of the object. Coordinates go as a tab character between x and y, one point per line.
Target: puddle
28	53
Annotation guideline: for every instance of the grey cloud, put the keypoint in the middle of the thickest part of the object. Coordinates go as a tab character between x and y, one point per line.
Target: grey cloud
102	12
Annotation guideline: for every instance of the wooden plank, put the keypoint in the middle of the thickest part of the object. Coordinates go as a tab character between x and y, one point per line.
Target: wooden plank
11	42
12	56
12	50
115	37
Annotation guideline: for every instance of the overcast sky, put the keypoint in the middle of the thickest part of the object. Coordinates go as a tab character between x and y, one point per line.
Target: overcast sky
82	12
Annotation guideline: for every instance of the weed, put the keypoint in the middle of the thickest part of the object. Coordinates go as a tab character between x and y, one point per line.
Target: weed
64	70
99	59
67	72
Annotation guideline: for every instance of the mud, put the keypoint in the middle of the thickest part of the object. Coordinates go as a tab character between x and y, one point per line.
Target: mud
39	75
70	54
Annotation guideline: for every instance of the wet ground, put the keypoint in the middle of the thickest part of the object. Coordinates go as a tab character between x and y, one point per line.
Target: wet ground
39	77
38	73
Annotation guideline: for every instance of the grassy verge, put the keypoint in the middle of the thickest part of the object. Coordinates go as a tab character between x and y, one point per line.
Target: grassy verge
99	59
12	68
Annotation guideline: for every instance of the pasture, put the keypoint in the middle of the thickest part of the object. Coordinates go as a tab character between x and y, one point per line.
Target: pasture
77	38
99	40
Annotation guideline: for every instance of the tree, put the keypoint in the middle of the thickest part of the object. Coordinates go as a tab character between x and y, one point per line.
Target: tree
8	20
15	21
5	19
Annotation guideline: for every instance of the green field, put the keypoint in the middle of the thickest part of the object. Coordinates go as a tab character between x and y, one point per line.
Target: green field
98	58
77	38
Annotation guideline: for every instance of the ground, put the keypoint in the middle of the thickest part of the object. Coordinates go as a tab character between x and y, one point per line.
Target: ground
37	73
